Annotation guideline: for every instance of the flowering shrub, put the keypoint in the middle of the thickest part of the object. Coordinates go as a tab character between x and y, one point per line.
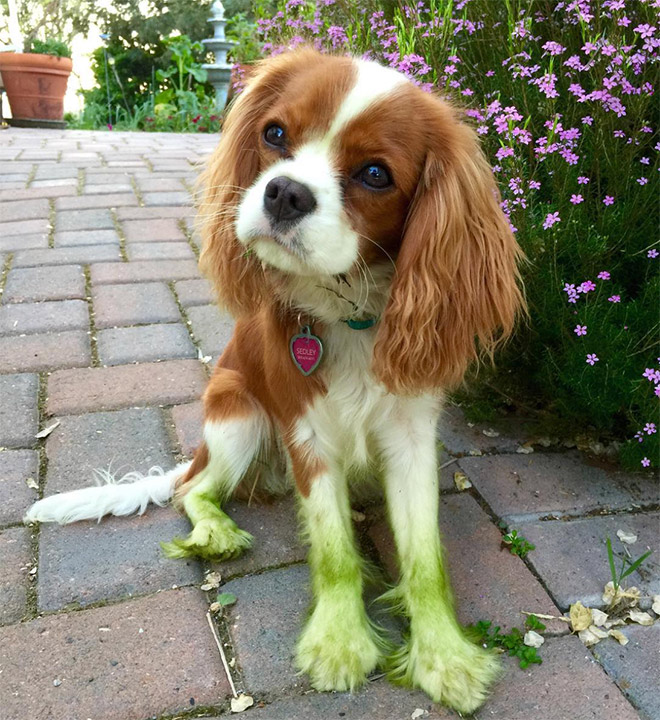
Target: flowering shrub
562	96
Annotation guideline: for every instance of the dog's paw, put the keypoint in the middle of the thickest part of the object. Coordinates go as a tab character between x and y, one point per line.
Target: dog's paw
211	539
338	654
452	671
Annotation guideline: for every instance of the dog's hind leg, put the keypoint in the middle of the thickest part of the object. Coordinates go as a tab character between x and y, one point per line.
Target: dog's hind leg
235	430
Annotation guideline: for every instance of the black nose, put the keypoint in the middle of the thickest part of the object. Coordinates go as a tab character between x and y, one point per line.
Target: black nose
286	200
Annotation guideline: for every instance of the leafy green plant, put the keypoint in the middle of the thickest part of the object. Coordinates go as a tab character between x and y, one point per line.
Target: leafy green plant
512	642
517	544
628	566
49	47
226	599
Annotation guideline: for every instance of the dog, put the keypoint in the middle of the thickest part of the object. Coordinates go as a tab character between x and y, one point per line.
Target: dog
352	226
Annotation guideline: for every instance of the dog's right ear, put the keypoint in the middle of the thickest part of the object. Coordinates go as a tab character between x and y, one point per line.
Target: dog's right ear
233	167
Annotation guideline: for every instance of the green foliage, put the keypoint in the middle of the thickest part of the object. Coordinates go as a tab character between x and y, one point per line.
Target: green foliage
49	47
517	544
556	95
512	642
225	599
628	566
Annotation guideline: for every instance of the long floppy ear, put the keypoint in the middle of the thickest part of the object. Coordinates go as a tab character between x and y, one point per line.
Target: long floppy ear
233	167
456	290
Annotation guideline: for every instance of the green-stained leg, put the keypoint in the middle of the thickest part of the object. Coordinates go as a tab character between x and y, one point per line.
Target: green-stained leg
232	445
338	646
437	657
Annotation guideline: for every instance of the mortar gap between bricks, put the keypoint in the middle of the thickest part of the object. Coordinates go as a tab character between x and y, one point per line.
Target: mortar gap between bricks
136	191
31	176
221	625
93	343
52	219
148	163
188	325
170	429
120	233
5	272
81	181
188	235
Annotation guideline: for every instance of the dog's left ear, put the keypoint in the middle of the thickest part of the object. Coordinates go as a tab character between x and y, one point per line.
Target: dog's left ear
455	293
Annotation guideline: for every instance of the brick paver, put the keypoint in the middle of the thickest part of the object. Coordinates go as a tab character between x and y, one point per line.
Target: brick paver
19	415
86	390
99	284
17	468
44	283
15	555
136	660
145	343
133	304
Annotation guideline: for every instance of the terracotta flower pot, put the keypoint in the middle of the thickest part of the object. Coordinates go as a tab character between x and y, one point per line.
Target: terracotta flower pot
35	84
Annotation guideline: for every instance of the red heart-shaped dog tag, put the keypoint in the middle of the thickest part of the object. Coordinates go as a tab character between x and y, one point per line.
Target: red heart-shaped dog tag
306	351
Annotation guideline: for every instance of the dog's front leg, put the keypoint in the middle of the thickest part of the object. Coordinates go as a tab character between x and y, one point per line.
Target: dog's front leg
437	657
338	646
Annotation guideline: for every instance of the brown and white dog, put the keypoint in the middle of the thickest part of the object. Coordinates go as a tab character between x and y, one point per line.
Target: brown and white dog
352	226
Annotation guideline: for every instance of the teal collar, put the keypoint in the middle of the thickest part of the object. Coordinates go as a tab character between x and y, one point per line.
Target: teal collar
361	324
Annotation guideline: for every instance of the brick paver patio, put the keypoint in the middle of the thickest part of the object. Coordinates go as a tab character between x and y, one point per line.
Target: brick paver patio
103	321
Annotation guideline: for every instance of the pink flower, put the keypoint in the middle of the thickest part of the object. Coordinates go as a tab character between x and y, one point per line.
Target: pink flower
652	254
583	180
577	199
603	275
614	299
646	462
644	161
586	286
652	375
608	200
649	429
550	220
642	180
592	359
580	330
657	390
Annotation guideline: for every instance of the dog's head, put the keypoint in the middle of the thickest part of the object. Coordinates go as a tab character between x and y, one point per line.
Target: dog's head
327	163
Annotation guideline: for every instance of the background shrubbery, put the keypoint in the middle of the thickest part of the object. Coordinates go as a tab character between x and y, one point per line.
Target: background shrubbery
562	94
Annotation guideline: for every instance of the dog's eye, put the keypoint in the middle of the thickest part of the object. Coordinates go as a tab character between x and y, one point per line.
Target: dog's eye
374	176
274	135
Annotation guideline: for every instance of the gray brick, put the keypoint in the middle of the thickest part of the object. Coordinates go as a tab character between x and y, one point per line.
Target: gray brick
96	219
194	292
107	189
276	536
82	254
19	415
166	198
86	237
375	701
459	438
525	487
22	318
25	227
43	352
635	667
571	557
96	201
132	661
117	441
148	184
24	210
143	303
569	685
155	213
146	343
15	554
12	243
16	467
74	567
211	327
264	625
166	229
143	271
188	421
45	283
159	251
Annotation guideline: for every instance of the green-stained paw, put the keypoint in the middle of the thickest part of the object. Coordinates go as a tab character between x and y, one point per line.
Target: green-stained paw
338	652
211	539
450	670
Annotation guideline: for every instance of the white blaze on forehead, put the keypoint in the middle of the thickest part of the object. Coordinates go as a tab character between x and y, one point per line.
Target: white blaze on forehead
373	83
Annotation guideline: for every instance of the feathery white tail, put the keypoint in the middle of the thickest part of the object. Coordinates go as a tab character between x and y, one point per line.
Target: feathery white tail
128	494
